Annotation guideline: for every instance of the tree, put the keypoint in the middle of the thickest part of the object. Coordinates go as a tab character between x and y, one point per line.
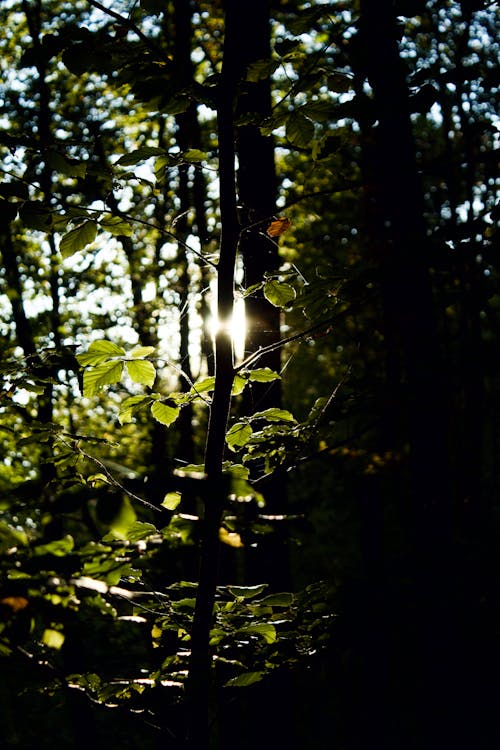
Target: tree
171	134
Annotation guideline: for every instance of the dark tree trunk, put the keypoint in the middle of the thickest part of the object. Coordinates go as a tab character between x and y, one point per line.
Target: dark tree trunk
420	398
257	193
407	291
259	252
199	692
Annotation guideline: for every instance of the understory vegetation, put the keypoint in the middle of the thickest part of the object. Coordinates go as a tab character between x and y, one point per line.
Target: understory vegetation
249	322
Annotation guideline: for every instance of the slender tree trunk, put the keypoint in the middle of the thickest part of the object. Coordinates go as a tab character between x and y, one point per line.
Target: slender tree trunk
198	690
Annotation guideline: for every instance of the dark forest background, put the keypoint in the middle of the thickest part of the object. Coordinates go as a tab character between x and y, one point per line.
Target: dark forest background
286	533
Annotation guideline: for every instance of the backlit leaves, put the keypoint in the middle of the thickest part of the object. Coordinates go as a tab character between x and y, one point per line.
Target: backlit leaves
131	406
116	225
300	130
53	638
263	375
245	679
106	373
99	351
274	415
262	630
171	500
231	538
78	238
141	371
279	293
105	363
165	413
239	435
140	155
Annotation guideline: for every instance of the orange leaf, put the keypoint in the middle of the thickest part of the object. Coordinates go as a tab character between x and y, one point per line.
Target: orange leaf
278	226
14	602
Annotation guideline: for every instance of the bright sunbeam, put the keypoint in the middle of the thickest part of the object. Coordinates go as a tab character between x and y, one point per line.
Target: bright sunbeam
237	328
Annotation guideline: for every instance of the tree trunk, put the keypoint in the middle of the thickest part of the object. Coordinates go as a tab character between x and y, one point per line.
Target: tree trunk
411	331
406	284
259	252
198	689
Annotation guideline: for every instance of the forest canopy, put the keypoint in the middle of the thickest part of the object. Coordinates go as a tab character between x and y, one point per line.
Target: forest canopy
249	321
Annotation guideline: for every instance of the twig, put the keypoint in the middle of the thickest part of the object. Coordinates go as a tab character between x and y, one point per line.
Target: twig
128	24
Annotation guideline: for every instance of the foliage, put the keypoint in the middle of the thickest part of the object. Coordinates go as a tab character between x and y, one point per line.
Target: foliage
116	209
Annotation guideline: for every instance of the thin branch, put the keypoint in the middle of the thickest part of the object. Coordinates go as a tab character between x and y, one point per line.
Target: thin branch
148	224
111	478
295	337
128	24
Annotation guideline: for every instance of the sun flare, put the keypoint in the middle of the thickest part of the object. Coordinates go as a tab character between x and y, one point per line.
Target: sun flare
237	328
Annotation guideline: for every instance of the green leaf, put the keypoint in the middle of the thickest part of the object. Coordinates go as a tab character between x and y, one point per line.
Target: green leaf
141	371
171	500
140	531
284	599
319	111
78	238
202	386
274	415
261	69
108	569
235	471
304	18
36	215
164	413
104	374
100	351
130	406
116	225
242	491
176	105
264	630
239	435
65	165
193	155
141	351
247	592
11	537
140	154
279	293
245	679
53	638
97	480
59	548
252	289
263	375
239	384
300	130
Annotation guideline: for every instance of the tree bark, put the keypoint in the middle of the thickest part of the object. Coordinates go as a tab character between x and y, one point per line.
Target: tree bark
198	689
406	283
257	188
